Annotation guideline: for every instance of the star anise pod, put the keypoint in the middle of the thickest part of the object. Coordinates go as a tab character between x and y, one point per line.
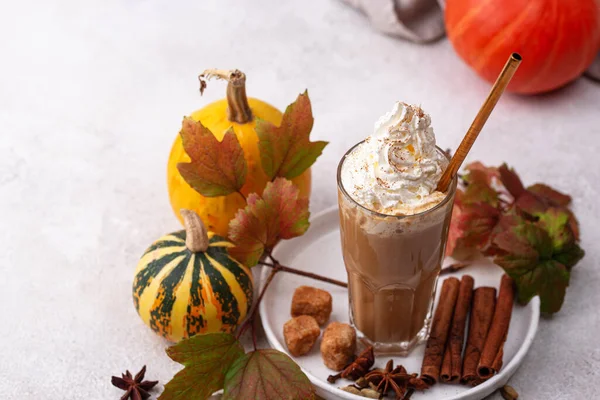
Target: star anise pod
396	379
357	368
136	388
384	379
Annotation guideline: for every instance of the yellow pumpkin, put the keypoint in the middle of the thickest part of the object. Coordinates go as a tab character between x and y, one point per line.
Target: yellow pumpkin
239	112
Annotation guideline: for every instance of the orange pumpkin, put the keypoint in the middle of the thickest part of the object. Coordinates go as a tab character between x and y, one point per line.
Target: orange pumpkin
558	39
240	113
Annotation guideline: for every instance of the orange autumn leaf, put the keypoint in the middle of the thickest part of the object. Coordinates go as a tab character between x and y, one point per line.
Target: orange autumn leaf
278	214
286	150
216	168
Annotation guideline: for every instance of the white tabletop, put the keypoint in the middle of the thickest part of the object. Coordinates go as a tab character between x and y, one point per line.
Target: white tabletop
91	96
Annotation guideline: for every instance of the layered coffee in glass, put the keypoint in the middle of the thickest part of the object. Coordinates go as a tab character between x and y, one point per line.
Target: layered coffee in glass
394	228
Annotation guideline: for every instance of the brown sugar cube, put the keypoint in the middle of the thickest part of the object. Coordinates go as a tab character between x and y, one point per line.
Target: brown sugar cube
309	300
338	345
300	334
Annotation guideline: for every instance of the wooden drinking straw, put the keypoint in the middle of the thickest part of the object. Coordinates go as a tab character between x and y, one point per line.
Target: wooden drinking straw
482	116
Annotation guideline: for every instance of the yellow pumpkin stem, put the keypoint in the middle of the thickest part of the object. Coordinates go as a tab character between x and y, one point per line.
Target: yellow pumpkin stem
239	110
196	235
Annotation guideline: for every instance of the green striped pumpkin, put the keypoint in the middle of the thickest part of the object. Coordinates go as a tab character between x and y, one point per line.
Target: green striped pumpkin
182	289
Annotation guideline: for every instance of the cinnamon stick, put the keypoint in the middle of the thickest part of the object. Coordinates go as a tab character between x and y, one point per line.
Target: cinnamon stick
494	343
440	327
446	373
482	311
452	364
498	360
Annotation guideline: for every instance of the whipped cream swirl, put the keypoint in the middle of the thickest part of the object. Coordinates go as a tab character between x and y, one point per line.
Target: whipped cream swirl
397	168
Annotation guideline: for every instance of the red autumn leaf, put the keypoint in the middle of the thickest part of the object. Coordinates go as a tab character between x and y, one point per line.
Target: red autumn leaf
530	204
267	375
511	181
454	232
479	171
539	198
278	214
478	222
573	223
289	213
286	150
216	168
530	232
471	227
206	359
480	192
551	195
478	181
249	233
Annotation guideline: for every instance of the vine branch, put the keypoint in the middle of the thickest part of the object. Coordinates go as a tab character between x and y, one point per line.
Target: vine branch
249	322
295	271
276	266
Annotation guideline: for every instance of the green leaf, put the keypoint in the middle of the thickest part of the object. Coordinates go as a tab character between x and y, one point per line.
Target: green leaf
207	359
549	280
536	237
539	198
267	375
216	168
286	150
570	257
278	214
527	256
555	222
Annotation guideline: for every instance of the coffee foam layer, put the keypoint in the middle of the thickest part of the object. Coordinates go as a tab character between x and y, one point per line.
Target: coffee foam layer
390	225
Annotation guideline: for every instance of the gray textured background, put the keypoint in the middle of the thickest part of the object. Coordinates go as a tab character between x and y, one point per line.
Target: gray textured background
92	95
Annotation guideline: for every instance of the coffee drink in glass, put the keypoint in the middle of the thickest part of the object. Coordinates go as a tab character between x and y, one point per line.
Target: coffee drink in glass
394	228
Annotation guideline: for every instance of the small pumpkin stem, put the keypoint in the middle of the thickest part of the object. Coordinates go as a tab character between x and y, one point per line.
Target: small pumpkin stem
196	235
239	109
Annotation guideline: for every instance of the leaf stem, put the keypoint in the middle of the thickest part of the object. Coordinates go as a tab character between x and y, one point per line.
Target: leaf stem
295	271
242	194
249	322
276	266
254	336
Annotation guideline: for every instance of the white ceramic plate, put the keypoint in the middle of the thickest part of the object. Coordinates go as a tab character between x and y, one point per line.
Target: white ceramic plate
319	251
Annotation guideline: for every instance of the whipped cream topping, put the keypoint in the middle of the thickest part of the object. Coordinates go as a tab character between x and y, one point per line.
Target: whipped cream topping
396	169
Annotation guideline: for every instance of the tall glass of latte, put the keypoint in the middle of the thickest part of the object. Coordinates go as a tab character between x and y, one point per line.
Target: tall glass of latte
394	228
